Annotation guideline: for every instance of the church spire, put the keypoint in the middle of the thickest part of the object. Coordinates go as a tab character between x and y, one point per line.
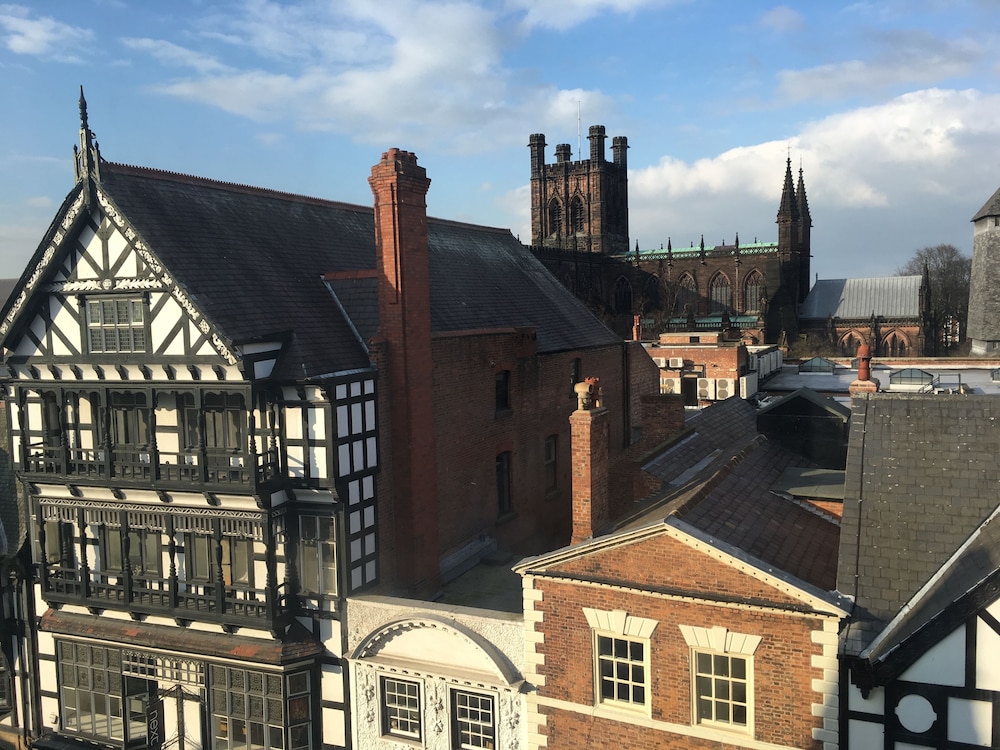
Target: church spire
802	201
788	211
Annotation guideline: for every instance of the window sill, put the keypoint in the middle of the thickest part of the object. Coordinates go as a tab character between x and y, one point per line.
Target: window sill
506	518
503	413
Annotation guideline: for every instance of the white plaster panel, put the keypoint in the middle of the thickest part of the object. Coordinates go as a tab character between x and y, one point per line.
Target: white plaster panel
994	608
908	746
865	735
943	664
334	727
987	657
332	684
874	704
970	721
63	321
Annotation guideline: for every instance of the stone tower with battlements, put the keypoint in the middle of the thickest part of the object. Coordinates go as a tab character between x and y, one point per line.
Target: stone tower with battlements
580	205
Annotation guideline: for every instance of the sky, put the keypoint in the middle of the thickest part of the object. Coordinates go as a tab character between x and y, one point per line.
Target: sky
890	108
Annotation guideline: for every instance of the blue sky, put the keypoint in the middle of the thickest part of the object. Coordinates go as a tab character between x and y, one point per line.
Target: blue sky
892	108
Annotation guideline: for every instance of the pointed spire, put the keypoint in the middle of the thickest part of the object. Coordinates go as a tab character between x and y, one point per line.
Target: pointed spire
802	201
670	253
87	156
701	251
788	210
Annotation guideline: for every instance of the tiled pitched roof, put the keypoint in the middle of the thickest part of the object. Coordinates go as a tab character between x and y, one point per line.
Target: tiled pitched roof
859	299
990	208
743	511
254	261
724	471
922	476
710	432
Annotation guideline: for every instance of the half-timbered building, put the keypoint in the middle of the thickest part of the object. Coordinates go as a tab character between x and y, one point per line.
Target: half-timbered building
231	408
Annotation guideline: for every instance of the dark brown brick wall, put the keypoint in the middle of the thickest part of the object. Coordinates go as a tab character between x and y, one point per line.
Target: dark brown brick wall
469	433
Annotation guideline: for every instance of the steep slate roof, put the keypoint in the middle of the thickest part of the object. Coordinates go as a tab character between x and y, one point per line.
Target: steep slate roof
990	208
859	299
922	477
253	260
975	563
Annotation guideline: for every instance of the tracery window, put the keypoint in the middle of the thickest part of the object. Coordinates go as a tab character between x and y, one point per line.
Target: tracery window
721	293
623	295
753	291
687	294
555	216
578	215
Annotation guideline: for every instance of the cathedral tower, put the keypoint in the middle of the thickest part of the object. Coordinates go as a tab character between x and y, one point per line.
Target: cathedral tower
580	205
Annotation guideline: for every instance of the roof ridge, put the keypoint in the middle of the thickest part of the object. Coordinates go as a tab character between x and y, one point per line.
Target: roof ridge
240	187
135	170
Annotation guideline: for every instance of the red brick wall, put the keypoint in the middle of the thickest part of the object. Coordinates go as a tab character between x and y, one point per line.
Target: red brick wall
399	186
782	671
589	439
469	434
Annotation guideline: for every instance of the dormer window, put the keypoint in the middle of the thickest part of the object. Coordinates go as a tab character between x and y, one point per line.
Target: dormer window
116	324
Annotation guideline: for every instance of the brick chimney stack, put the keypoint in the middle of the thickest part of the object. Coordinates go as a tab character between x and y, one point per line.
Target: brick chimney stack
589	435
400	186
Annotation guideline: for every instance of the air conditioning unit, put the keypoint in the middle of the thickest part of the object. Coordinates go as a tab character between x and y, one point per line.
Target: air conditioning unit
725	388
748	385
661	362
670	385
706	389
677	363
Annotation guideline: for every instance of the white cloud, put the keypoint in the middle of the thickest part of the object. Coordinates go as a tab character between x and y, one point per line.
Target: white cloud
910	58
782	19
39	201
880	179
419	78
169	53
564	14
41	36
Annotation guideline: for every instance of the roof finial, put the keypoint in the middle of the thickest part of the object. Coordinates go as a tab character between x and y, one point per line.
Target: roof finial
83	110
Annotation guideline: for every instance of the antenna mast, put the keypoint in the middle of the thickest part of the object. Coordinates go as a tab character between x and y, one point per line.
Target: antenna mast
579	141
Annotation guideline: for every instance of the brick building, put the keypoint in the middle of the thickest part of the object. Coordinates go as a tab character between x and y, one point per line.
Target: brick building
232	409
705	621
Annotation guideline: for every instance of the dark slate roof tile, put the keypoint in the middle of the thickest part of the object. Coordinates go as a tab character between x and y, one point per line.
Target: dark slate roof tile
903	518
254	261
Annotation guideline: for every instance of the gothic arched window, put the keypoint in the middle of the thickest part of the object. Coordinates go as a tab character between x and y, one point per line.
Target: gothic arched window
577	215
720	292
687	294
894	346
651	294
623	295
555	216
753	291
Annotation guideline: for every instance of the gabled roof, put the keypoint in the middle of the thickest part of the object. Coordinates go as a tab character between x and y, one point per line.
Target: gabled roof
593	561
990	208
922	477
802	399
859	299
722	476
254	261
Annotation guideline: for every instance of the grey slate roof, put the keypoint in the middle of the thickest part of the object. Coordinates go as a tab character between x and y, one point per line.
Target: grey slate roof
858	299
990	208
253	261
969	568
922	476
